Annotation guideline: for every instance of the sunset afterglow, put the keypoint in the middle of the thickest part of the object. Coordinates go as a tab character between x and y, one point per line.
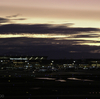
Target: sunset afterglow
74	23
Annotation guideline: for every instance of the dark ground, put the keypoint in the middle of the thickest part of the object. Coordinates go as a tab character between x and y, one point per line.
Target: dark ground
27	85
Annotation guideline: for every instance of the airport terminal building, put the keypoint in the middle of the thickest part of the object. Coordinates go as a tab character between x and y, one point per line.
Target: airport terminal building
39	61
21	61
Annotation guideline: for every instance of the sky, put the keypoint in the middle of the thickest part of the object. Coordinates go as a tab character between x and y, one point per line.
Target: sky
53	28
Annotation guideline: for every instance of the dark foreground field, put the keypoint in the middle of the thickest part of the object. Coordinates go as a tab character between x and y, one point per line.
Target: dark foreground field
55	85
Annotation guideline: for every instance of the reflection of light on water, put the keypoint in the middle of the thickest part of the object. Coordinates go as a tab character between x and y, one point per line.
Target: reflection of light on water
79	79
73	79
87	80
46	78
61	80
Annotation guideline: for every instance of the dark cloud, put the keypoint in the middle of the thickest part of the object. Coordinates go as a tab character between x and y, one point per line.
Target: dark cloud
43	29
31	46
9	19
36	41
48	50
48	46
20	19
4	20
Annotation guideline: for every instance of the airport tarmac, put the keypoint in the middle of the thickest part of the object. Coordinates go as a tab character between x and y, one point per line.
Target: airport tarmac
55	85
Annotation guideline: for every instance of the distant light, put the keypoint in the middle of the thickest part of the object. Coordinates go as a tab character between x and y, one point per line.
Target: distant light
8	80
90	92
9	75
42	66
33	72
51	64
41	57
96	92
4	75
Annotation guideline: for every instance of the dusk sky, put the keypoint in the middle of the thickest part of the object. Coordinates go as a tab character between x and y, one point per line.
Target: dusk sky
53	28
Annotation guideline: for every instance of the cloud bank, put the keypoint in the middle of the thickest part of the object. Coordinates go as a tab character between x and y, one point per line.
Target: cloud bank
55	41
43	28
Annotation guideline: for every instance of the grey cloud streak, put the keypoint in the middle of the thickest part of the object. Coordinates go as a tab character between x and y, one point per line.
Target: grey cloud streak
86	36
4	20
10	18
43	29
20	19
13	16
